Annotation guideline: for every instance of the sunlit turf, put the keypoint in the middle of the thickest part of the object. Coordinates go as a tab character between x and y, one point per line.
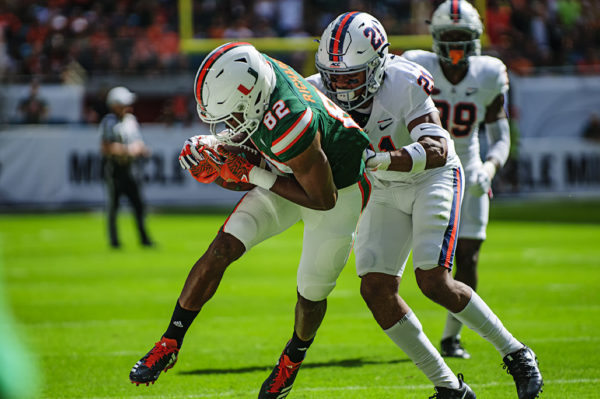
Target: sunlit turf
89	313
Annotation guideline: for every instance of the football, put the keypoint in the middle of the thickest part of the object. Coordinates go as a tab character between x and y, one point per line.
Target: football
249	152
246	150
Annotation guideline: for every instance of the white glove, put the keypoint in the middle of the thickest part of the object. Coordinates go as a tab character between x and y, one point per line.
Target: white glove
376	160
197	148
481	180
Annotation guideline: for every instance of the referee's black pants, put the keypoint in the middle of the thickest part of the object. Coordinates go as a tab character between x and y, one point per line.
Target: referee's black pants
121	182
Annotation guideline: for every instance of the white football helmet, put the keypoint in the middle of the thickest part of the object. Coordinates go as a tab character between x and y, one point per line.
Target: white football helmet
453	15
233	78
353	42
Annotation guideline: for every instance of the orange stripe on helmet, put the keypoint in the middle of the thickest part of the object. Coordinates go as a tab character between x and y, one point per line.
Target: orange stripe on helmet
208	62
338	34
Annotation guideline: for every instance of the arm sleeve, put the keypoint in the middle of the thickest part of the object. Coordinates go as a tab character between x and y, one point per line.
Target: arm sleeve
498	134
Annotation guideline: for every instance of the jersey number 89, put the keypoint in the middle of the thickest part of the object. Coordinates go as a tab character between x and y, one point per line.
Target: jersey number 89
463	117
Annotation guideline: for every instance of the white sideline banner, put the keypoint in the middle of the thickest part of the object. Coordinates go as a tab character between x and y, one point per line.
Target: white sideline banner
56	167
64	102
554	106
557	165
59	166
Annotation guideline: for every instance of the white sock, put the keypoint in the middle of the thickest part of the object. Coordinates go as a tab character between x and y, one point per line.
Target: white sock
452	327
409	336
480	318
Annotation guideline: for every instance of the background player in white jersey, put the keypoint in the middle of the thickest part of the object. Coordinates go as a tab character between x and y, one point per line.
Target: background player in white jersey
469	90
415	202
318	149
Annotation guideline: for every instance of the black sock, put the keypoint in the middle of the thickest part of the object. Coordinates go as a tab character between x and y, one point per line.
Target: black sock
180	322
296	348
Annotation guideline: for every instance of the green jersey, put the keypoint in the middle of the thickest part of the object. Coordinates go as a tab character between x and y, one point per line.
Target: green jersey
297	110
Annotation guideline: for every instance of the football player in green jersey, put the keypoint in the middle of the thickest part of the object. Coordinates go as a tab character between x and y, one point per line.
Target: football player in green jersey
315	153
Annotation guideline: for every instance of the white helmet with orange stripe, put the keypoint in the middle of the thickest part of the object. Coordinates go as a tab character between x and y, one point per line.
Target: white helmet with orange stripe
233	86
453	16
353	42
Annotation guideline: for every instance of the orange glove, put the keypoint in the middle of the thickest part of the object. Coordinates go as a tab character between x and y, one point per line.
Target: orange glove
234	168
204	173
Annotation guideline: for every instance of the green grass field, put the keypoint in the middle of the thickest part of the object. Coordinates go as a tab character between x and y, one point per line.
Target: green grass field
89	313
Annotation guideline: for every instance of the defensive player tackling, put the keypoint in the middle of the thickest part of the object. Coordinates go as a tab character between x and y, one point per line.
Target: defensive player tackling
415	202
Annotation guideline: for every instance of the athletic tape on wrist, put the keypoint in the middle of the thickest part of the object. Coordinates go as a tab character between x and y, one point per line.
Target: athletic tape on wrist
418	155
383	160
262	178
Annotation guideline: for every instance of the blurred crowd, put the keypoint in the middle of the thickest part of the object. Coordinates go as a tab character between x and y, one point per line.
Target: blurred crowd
71	41
65	40
545	35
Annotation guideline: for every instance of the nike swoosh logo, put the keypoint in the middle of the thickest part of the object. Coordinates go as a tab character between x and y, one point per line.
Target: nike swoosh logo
381	127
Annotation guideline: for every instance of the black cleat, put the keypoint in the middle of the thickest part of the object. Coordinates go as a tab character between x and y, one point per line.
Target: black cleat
279	384
463	392
451	347
523	366
160	358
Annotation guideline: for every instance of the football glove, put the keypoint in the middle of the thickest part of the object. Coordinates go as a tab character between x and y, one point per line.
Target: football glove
204	172
481	180
376	160
234	168
197	150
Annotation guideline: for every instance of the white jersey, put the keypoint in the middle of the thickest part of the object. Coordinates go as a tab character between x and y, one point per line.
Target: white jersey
462	106
401	98
125	130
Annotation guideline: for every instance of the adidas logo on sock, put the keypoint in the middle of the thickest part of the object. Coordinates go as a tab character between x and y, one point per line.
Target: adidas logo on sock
177	323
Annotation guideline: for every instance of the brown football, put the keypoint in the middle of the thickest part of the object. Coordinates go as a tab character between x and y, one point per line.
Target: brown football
248	151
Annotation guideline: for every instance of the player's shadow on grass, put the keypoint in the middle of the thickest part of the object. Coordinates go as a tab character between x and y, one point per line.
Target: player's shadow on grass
357	362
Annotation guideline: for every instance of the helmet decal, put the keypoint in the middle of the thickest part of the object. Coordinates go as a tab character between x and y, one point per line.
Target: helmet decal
336	44
243	89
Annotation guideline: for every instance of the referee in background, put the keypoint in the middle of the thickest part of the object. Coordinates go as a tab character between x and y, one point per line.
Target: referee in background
122	145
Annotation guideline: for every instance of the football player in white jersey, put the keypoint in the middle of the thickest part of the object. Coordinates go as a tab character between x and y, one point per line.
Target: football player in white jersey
415	202
469	90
